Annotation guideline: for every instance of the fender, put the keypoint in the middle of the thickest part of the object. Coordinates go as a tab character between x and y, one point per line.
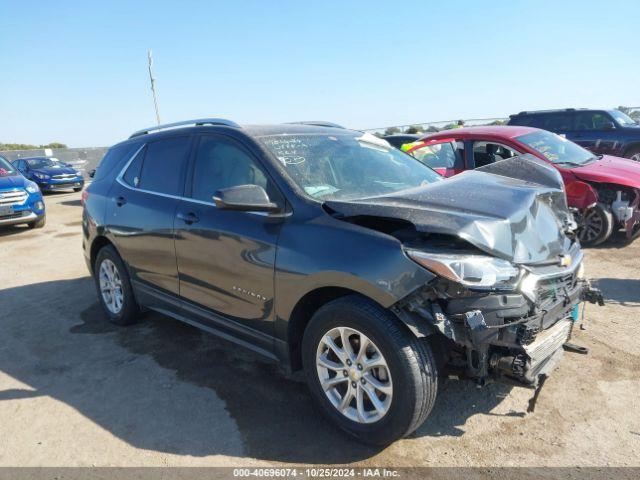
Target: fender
580	195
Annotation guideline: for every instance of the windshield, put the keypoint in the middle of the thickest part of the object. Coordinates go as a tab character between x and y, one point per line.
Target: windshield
6	169
557	149
347	166
623	119
45	163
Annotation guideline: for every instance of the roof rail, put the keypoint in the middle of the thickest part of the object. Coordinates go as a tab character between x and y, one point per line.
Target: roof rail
317	123
554	110
197	122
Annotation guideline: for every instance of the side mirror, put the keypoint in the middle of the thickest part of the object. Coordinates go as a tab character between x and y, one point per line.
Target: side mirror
608	126
92	173
244	198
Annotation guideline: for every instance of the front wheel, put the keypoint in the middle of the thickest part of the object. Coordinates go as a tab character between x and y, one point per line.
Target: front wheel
596	226
369	374
39	223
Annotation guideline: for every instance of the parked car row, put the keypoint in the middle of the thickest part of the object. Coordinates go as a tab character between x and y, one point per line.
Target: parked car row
331	252
603	191
22	183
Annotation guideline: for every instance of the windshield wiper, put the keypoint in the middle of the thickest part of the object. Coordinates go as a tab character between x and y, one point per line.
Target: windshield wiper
569	163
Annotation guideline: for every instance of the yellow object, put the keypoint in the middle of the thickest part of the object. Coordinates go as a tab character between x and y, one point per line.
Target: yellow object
408	146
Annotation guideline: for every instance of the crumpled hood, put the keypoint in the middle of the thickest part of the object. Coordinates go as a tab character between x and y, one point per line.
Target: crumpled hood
514	209
13	181
608	169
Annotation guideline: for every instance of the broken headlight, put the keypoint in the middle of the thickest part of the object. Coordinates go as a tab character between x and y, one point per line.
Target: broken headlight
473	271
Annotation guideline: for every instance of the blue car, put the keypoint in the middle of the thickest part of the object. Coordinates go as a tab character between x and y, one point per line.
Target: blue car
50	173
20	199
604	132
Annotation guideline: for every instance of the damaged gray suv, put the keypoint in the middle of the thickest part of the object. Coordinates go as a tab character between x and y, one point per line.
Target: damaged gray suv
331	252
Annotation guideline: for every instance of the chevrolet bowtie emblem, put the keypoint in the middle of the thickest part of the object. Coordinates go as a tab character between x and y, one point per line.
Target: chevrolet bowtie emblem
565	261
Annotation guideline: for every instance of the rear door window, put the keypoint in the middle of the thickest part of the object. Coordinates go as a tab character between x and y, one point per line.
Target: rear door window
535	121
558	122
164	166
486	153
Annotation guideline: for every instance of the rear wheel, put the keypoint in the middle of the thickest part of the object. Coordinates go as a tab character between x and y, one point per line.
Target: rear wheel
634	154
597	225
114	287
77	189
369	375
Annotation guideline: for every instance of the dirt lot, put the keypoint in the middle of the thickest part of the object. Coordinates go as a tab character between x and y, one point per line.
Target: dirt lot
75	390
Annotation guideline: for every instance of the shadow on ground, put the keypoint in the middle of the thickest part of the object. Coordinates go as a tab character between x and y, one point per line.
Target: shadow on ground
9	230
617	240
66	349
71	203
623	291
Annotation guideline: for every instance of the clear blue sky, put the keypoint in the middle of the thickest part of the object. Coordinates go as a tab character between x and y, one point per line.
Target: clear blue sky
75	71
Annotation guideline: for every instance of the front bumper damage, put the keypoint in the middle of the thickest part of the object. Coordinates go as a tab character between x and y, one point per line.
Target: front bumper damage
503	337
628	214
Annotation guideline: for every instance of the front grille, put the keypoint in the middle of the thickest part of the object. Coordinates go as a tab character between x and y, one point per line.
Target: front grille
24	213
64	176
549	290
13	197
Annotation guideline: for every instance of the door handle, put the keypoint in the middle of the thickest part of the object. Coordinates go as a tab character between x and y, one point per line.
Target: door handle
120	201
188	218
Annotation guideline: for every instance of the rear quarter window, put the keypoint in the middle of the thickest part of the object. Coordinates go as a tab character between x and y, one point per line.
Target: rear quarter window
114	156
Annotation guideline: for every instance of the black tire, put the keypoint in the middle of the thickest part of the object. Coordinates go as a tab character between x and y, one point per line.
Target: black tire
130	310
633	154
597	225
77	189
39	223
411	364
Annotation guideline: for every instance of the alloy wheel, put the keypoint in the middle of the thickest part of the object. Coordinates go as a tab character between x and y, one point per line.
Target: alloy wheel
354	375
593	226
111	286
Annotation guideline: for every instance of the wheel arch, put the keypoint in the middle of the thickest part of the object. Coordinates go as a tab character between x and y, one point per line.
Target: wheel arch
633	147
98	244
301	314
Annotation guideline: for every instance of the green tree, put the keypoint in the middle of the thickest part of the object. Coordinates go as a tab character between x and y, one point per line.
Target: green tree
414	129
391	130
27	146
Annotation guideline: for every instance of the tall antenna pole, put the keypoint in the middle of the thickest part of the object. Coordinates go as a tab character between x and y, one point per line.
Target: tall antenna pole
153	86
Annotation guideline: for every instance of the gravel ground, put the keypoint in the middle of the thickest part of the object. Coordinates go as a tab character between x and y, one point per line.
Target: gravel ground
77	391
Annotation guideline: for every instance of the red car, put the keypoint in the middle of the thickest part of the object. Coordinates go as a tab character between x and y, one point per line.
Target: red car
603	191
